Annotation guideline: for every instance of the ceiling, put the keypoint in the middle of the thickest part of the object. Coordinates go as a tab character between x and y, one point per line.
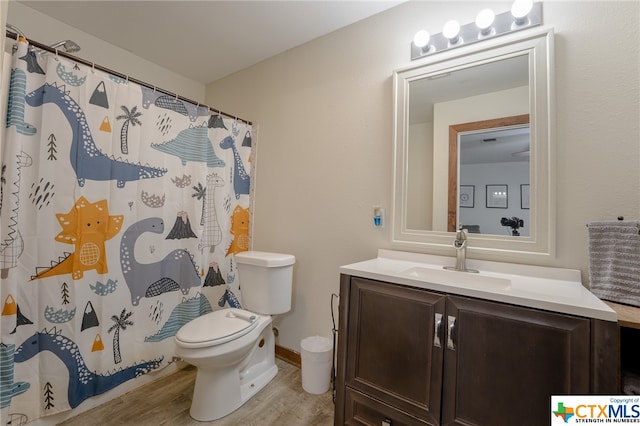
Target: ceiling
208	40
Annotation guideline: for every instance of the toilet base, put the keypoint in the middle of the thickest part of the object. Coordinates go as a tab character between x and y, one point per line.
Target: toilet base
228	398
250	389
220	391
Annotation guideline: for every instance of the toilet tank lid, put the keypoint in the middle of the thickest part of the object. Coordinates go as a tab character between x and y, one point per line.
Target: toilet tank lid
263	258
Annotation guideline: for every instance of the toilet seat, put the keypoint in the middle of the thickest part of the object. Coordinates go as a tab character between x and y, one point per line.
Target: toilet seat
216	327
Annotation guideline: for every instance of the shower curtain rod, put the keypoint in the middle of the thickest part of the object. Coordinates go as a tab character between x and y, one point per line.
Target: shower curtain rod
11	34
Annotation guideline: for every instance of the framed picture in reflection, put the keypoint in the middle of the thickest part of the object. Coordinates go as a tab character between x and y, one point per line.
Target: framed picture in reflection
524	196
467	196
497	197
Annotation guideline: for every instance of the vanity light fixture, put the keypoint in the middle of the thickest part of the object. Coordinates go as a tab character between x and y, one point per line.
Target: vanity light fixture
520	11
523	14
451	31
421	40
484	22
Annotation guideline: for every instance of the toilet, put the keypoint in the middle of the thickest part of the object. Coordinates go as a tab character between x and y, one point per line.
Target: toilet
234	349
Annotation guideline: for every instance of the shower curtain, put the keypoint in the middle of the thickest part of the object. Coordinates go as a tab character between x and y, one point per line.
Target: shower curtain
121	209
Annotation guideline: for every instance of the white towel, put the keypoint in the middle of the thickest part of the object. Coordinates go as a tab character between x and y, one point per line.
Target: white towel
614	261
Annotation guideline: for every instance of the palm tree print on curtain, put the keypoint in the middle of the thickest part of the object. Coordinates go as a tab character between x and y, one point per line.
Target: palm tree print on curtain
200	193
88	175
129	117
121	323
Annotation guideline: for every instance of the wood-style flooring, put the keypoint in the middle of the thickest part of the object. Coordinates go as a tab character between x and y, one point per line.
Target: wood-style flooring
166	401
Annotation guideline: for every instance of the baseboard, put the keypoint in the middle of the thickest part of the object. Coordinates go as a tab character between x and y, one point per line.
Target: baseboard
288	355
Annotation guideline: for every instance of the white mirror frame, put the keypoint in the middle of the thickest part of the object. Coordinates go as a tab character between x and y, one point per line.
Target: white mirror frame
539	45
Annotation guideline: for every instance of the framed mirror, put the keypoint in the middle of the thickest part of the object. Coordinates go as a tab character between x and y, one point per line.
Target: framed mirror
474	146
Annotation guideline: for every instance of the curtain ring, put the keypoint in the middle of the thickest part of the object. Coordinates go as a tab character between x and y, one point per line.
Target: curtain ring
57	59
126	80
93	67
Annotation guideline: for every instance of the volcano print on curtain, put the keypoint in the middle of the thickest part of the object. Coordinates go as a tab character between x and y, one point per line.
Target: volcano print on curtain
122	211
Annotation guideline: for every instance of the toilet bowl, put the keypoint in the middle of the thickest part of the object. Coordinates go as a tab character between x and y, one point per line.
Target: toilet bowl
233	363
234	349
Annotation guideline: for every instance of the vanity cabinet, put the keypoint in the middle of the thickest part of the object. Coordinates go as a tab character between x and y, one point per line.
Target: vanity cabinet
410	356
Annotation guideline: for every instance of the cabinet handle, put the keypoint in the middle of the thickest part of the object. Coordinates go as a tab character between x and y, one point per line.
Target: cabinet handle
452	325
437	327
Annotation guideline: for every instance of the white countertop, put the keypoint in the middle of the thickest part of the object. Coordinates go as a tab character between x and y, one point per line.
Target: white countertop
552	289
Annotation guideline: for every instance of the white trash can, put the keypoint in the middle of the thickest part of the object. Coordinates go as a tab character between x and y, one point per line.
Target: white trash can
316	364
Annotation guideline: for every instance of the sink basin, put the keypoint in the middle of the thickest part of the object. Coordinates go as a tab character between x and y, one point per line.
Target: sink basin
447	277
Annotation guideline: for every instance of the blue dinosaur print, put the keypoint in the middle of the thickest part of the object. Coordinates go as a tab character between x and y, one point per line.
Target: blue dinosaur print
192	144
9	389
182	314
69	77
241	179
176	271
15	106
86	159
83	383
150	96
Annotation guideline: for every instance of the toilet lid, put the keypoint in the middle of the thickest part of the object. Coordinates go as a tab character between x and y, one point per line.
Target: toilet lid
217	327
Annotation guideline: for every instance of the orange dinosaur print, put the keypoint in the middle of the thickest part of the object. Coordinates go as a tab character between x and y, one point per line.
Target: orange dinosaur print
87	226
240	230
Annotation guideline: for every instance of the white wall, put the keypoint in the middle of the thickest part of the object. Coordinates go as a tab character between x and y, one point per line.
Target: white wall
43	29
324	158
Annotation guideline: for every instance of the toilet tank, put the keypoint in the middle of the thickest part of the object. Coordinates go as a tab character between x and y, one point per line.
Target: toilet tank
265	281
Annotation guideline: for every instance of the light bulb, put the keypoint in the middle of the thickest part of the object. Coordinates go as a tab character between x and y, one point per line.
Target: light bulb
451	31
421	39
484	21
521	9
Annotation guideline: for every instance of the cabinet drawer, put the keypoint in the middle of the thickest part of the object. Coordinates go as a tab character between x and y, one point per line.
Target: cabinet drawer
362	410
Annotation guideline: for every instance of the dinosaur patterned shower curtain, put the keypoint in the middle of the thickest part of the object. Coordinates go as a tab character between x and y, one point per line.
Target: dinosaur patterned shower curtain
122	209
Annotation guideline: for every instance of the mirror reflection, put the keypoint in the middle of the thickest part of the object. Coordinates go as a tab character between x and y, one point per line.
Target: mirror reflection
455	172
493	182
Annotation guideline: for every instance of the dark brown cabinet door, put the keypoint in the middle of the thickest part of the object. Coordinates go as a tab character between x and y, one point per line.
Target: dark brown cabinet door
391	354
502	363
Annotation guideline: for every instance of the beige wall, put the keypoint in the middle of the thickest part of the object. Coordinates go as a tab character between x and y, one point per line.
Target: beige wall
43	29
324	158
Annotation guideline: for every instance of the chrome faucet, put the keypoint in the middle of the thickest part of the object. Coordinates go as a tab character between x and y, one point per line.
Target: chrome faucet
460	244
